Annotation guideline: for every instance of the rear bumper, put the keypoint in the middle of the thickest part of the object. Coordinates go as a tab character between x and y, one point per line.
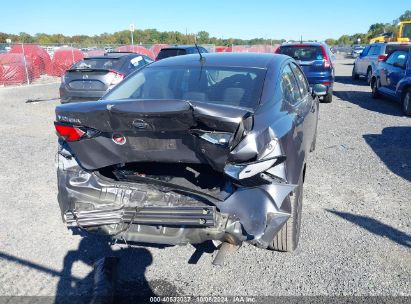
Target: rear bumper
326	80
146	213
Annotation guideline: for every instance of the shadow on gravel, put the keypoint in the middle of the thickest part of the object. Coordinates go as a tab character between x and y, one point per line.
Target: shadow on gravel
364	100
349	80
206	247
118	276
393	147
376	227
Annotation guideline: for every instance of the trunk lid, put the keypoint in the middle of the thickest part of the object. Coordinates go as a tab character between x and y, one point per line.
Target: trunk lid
90	79
154	130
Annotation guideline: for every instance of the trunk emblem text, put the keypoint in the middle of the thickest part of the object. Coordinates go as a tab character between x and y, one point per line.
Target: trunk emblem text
140	124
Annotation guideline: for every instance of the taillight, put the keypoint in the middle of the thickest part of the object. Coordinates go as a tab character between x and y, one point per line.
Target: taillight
326	83
382	57
116	77
69	133
327	63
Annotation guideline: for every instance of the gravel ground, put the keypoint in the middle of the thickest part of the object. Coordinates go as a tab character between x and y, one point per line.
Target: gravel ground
356	234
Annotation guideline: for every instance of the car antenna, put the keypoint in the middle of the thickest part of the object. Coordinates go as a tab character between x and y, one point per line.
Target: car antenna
198	50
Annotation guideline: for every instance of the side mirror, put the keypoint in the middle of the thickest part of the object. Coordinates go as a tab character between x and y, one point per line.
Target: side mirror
320	90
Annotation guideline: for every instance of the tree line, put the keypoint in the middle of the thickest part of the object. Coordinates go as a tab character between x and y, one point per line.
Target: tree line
375	30
147	36
152	36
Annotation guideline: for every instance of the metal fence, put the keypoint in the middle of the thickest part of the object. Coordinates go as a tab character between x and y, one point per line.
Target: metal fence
33	63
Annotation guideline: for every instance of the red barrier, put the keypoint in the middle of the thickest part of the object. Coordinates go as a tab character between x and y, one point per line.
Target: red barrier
136	49
221	49
13	69
37	56
64	58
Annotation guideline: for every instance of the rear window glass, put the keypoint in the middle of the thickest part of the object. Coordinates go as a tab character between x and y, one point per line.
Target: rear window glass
406	30
303	53
165	53
394	47
98	63
230	86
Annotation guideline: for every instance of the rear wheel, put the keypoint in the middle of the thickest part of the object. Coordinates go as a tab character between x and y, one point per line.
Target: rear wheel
355	76
329	97
369	75
289	235
375	84
406	102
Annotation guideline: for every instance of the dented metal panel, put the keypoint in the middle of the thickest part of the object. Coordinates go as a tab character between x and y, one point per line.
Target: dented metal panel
258	154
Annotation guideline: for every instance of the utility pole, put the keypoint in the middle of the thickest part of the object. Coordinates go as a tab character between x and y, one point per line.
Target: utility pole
132	28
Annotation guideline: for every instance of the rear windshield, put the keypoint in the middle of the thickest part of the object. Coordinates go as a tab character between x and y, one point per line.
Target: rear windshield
396	47
303	53
218	85
98	63
165	53
406	30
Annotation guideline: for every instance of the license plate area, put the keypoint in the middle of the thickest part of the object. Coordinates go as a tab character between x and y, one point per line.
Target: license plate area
152	144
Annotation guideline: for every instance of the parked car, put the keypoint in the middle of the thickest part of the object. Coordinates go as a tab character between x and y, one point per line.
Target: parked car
392	79
188	150
91	78
317	62
356	51
179	50
367	62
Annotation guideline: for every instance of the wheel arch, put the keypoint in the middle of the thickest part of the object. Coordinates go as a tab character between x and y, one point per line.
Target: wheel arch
403	88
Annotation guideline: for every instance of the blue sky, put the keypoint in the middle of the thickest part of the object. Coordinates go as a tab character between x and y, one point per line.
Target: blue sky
312	19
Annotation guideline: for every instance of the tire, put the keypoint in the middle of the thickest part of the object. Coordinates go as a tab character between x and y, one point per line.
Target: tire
406	102
374	88
369	75
354	75
329	97
288	237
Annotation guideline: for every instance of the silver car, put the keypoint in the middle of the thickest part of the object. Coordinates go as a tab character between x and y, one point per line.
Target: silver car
192	148
367	62
91	78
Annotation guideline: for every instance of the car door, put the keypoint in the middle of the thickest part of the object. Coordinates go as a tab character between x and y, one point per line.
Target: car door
291	96
362	63
392	71
372	56
384	67
308	107
398	71
365	63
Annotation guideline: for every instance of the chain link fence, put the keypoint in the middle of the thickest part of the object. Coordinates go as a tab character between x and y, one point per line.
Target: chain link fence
22	64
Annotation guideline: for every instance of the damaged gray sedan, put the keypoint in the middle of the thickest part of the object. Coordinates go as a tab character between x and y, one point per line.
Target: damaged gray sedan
190	149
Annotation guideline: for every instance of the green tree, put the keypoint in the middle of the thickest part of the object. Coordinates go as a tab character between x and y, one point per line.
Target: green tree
406	16
203	37
331	41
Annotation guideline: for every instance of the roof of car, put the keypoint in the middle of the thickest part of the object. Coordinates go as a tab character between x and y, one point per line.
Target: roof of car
181	46
251	60
309	43
113	55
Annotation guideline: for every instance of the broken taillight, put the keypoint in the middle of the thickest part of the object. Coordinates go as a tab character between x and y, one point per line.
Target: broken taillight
68	132
116	77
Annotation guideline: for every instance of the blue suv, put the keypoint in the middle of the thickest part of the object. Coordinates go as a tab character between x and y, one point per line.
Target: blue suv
317	62
393	79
